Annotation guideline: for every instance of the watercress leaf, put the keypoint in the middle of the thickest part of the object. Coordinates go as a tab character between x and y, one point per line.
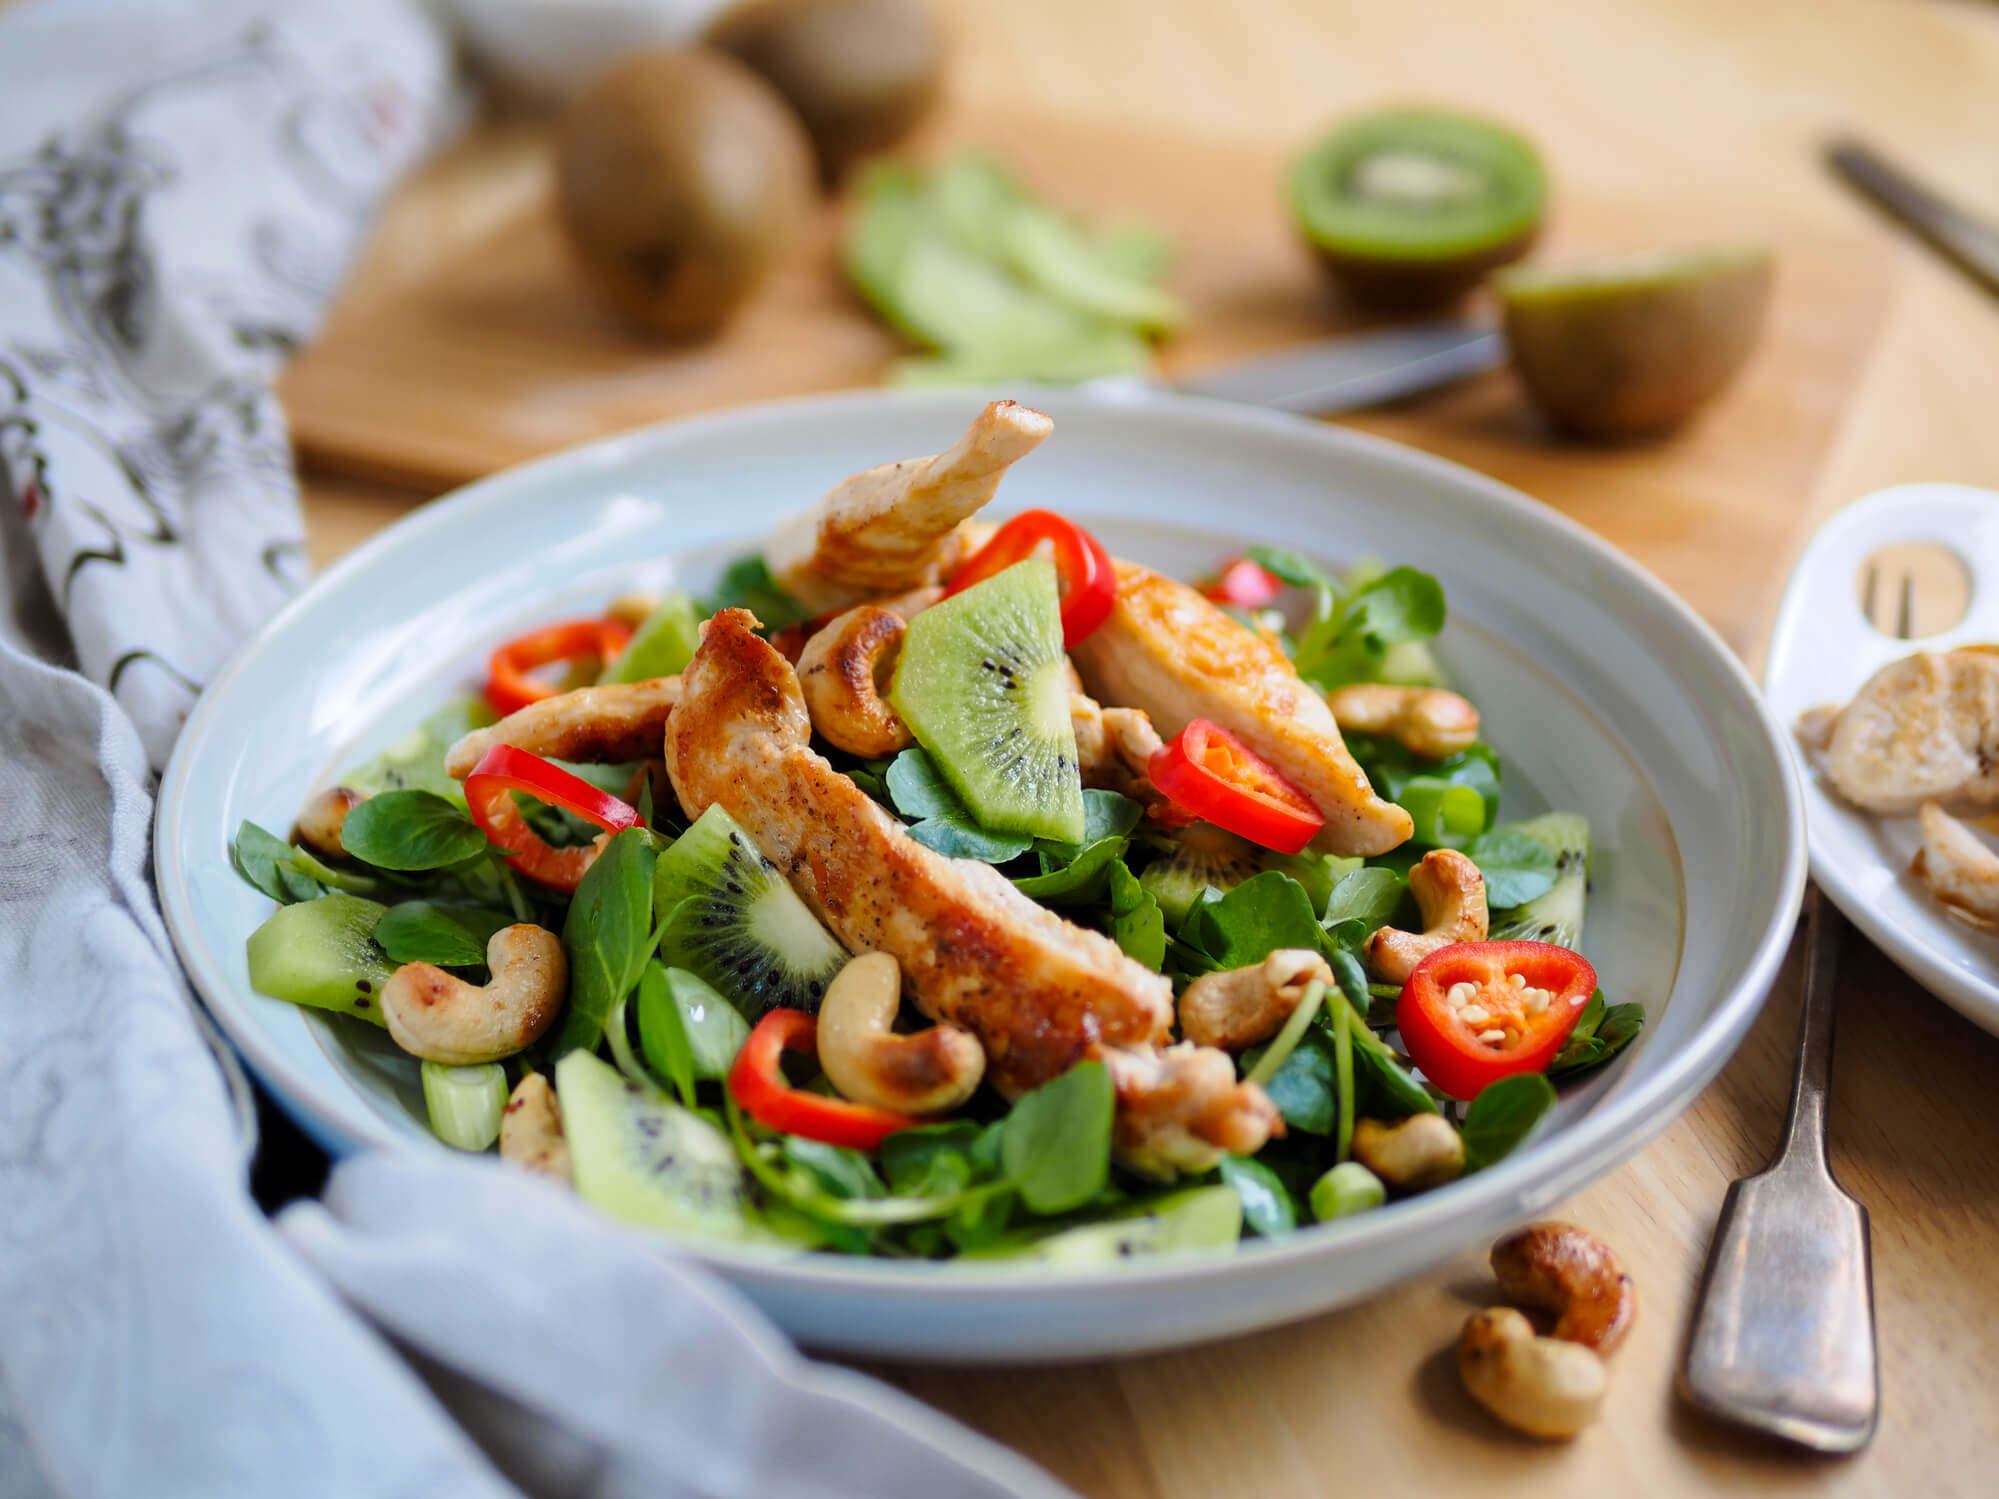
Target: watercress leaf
1303	1087
407	830
1080	880
608	935
1621	1025
1108	814
258	857
1591	1017
421	931
662	1035
982	1222
1265	912
1351	977
1056	1147
1320	874
1402	604
1610	1031
747	584
1347	935
1267	1208
918	789
309	865
964	840
1517	868
1384	1087
1137	923
1288	566
845	1174
1502	1115
1371	895
713	1029
931	1160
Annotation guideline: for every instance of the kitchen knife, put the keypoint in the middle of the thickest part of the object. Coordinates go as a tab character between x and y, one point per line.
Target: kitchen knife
1360	369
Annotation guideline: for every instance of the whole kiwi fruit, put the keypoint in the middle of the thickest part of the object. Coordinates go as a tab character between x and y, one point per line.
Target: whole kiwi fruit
860	73
681	178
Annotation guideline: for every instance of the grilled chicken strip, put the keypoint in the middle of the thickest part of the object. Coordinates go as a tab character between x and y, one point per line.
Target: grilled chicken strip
897	526
1961	871
1172	654
593	725
1039	993
1922	729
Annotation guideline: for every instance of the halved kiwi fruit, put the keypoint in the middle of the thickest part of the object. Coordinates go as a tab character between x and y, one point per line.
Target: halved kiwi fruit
1630	344
1557	915
734	920
984	686
1412	207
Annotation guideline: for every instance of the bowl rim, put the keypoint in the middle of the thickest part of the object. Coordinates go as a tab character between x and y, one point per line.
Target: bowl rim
1546	1170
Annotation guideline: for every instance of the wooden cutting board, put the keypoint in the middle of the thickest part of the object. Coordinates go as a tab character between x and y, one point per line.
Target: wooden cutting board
468	341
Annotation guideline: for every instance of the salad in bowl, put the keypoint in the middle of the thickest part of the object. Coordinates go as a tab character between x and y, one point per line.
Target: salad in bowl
941	889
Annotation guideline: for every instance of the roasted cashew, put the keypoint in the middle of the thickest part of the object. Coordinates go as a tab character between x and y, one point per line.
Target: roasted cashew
1426	721
632	609
1243	1006
1450	894
531	1129
842	671
441	1018
324	815
1416	1153
1570	1273
930	1072
1543	1387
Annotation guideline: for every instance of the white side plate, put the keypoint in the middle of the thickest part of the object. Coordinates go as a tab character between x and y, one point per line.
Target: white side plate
1603	692
1821	651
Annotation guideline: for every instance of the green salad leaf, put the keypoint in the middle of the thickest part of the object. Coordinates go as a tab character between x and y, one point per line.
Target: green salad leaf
1081	879
1137	923
266	861
1349	642
1265	912
1601	1032
1056	1146
941	821
422	931
747	584
688	1031
411	830
608	935
1517	868
1370	895
1502	1116
1268	1209
1303	1088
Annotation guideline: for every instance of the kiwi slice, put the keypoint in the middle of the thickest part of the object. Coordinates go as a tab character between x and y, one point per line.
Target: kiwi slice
1631	344
1197	1218
322	953
1204	857
1557	915
735	921
1409	207
641	1157
984	687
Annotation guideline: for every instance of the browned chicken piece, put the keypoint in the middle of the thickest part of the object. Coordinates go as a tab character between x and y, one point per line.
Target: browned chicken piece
1922	729
1174	655
605	725
898	526
1114	746
1039	993
1958	868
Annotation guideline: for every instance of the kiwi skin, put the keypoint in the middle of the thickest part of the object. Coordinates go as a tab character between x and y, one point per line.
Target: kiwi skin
860	73
681	179
1629	346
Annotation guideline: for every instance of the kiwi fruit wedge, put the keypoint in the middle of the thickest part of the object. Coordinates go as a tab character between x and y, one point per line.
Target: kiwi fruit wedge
1204	857
860	73
1557	915
1631	344
1413	207
983	684
1194	1218
322	953
682	179
641	1157
732	919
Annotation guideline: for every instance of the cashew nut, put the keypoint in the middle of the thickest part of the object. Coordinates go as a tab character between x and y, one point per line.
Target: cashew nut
324	815
1243	1006
1450	894
842	672
1570	1273
441	1018
1416	1153
531	1129
1543	1387
632	609
930	1072
1426	721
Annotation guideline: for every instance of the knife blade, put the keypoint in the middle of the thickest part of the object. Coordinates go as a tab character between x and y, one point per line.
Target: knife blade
1360	369
1966	241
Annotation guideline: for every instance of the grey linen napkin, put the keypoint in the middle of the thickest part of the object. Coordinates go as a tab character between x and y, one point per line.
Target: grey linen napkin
181	185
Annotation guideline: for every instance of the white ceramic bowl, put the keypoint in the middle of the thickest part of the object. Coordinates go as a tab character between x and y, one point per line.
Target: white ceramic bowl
1601	690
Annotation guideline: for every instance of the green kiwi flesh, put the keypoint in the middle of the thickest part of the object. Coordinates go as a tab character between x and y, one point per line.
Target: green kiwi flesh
734	920
1197	1218
983	684
1413	207
322	953
643	1158
1632	344
1204	857
1557	915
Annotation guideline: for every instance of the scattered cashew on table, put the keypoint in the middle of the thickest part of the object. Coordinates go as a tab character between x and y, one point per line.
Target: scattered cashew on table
1549	1387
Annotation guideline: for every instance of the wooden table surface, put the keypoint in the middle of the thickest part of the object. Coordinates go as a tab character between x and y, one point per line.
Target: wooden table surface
1702	115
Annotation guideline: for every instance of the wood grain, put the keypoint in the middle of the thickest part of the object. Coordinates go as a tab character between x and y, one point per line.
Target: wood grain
1664	122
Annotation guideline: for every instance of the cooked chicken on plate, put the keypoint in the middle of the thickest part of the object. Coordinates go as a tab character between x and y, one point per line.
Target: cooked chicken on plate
1921	729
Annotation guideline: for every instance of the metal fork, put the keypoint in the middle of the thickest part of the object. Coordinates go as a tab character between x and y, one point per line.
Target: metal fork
1783	1333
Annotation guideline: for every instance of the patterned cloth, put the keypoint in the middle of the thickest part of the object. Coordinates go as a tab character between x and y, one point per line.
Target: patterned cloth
181	184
